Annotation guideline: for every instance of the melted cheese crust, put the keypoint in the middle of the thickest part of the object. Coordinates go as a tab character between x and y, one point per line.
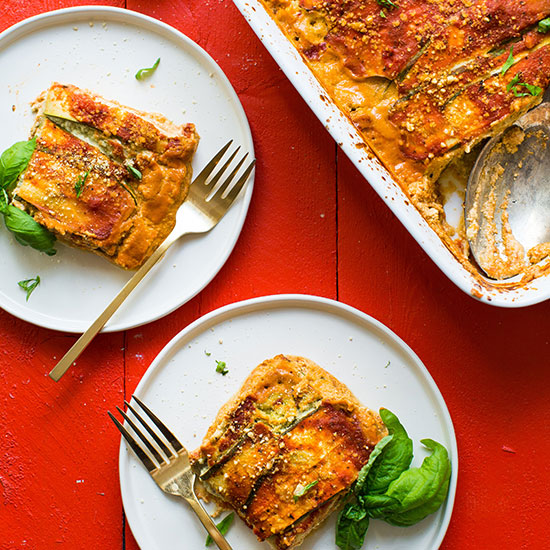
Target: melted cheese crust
423	80
115	215
286	449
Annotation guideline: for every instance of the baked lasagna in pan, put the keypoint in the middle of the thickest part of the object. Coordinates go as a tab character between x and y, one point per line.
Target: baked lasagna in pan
286	449
425	81
105	177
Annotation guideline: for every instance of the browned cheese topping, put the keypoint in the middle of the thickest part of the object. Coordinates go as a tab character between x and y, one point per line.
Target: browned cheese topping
134	172
287	448
424	81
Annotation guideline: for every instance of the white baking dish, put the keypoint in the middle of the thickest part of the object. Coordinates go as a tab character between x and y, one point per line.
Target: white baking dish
347	137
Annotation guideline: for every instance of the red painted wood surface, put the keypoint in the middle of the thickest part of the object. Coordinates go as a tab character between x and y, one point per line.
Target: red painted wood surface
316	227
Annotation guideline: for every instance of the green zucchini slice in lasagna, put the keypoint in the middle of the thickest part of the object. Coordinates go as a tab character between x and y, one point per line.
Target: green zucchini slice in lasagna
105	177
286	449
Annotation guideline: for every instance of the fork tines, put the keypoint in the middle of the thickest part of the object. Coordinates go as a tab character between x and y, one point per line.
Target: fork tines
156	452
206	177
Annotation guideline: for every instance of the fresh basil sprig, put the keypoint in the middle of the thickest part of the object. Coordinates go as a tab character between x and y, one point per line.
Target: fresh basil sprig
353	523
544	25
514	86
13	162
223	526
143	73
27	232
388	489
508	63
394	457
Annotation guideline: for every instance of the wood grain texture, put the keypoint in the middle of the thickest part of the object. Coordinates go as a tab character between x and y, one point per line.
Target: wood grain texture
58	450
314	226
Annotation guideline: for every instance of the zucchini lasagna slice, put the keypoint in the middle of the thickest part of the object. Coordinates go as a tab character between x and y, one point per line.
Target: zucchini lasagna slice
105	177
286	449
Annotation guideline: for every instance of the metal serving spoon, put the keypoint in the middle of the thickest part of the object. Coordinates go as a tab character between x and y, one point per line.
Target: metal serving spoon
507	207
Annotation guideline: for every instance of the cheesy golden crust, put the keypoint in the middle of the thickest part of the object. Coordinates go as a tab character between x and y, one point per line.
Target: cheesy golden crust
103	145
286	449
424	81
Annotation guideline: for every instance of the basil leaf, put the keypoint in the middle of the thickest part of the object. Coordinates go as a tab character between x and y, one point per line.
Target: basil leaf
378	506
223	526
28	285
508	63
362	476
421	491
533	90
79	185
220	367
387	4
544	25
143	73
301	491
395	457
14	161
27	231
351	528
4	199
515	83
134	171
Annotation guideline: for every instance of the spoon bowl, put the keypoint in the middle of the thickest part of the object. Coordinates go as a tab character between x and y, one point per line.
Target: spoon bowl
507	207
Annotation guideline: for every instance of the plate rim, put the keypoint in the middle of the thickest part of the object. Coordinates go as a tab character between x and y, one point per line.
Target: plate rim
306	301
132	17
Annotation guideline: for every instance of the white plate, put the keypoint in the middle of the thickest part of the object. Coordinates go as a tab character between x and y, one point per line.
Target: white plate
101	48
349	139
182	386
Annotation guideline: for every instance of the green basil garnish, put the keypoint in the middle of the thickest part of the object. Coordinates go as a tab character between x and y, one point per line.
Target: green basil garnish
134	171
508	63
79	185
353	523
300	492
515	84
221	367
387	4
544	25
223	526
28	285
143	73
27	231
388	489
14	161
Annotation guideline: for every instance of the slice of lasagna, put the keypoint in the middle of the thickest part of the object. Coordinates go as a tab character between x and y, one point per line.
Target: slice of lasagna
105	177
287	448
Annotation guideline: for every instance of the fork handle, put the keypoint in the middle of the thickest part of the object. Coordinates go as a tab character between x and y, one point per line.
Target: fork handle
209	524
82	343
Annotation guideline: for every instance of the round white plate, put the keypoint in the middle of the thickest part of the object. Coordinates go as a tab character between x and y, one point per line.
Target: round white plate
101	48
184	389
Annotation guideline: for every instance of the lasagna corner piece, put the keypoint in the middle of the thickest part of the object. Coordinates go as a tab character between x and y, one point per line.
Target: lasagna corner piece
105	177
286	449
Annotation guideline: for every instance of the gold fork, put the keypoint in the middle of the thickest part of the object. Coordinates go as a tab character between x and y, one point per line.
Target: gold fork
170	468
198	214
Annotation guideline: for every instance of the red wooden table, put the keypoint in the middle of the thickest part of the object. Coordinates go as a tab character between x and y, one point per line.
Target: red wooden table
314	227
